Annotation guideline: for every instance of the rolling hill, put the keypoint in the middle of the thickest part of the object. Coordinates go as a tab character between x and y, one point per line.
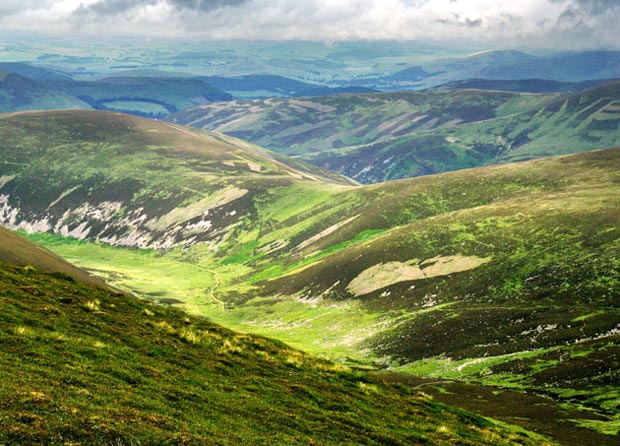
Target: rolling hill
523	85
148	93
501	64
33	71
569	66
146	96
313	126
21	93
256	86
83	365
500	276
373	138
28	87
155	180
451	69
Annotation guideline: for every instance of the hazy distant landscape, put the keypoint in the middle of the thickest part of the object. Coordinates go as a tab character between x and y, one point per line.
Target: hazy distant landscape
270	223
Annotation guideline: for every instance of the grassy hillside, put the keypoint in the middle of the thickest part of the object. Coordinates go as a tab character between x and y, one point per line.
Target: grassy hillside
19	251
307	127
504	276
567	124
373	138
131	181
82	365
21	93
27	87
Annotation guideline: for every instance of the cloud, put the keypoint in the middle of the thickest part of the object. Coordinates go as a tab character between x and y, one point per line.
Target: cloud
204	5
13	7
566	24
585	24
111	7
115	7
596	7
457	20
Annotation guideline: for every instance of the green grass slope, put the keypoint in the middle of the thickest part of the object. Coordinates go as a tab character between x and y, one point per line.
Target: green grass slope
518	287
130	181
373	138
19	251
566	124
504	276
21	93
83	365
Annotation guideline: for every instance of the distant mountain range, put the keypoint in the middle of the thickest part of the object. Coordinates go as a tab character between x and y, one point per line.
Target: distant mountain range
155	93
147	93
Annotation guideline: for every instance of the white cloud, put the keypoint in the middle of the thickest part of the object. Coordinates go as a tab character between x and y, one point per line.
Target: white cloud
553	23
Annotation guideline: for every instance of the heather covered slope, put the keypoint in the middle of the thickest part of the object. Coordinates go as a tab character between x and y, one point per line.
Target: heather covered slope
131	181
315	125
373	138
83	365
503	276
515	265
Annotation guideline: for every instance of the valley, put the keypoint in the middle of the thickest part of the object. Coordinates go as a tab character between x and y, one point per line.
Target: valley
88	365
504	276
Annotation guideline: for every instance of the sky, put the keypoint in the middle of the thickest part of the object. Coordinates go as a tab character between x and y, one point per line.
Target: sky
557	24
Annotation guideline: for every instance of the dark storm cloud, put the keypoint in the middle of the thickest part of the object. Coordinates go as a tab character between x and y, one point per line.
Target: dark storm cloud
113	7
457	20
473	23
205	5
